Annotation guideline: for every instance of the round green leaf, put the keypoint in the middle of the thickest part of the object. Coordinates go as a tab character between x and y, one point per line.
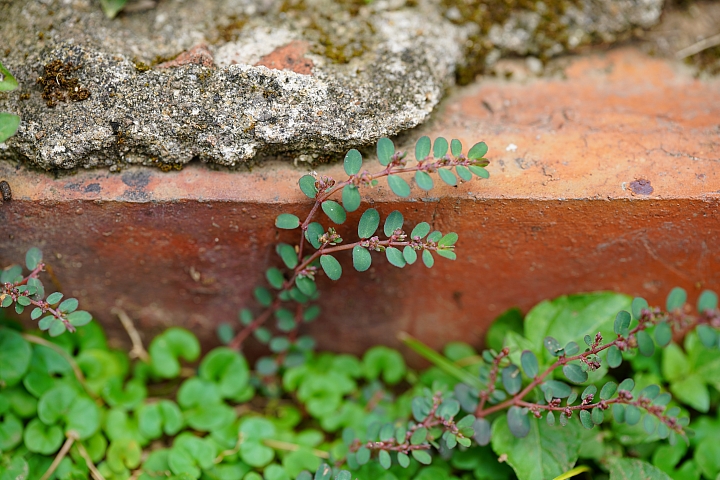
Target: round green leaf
586	419
422	456
479	171
15	356
351	198
395	257
420	230
618	411
168	347
478	151
708	335
287	221
675	299
663	334
608	390
409	254
423	180
632	414
287	254
447	176
427	258
575	373
331	267
307	185
274	277
361	258
455	147
353	162
385	151
645	343
440	147
638	305
518	422
393	222
386	361
422	148
41	438
622	323
313	232
708	301
227	369
369	223
32	258
9	124
398	185
334	211
511	379
614	357
463	173
306	285
529	363
11	432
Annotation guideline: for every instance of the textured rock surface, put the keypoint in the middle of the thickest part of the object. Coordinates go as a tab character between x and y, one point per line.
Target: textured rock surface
228	81
319	96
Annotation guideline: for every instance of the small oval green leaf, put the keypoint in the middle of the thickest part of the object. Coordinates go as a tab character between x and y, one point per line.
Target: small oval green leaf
447	176
334	211
478	151
351	198
440	147
361	258
422	148
352	162
398	185
331	267
369	223
385	151
307	185
287	221
423	180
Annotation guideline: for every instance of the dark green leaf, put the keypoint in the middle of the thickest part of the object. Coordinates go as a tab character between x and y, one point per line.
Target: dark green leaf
313	232
529	363
427	258
369	223
398	185
334	211
511	379
279	344
622	322
482	431
455	147
708	335
708	301
287	221
331	267
306	285
633	469
263	296
618	411
632	414
663	334
586	419
627	385
307	185
440	147
385	151
384	459
351	198
423	180
650	392
597	416
574	373
361	258
638	305
422	148
553	346
287	254
645	343
675	299
608	390
393	222
614	357
275	277
32	258
353	162
518	422
558	389
395	257
245	316
447	176
478	151
650	424
571	348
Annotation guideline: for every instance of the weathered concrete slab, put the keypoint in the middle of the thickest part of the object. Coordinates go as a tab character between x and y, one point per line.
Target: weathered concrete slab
567	208
228	82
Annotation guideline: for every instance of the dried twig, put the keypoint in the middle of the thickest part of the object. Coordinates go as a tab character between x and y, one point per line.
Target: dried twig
698	47
138	351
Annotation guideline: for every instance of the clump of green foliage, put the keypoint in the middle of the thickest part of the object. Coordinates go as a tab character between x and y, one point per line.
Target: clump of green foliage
9	122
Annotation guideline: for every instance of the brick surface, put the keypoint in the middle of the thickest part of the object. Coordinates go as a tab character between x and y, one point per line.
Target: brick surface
612	183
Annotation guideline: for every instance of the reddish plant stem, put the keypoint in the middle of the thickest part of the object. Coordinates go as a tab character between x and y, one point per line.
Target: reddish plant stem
492	378
517	398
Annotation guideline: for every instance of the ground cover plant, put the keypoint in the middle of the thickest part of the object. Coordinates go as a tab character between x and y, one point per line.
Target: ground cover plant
535	405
